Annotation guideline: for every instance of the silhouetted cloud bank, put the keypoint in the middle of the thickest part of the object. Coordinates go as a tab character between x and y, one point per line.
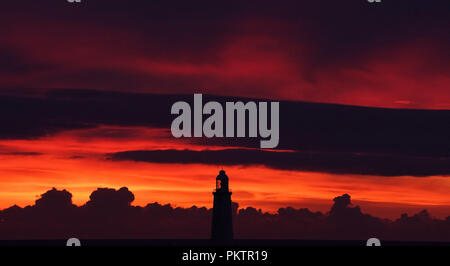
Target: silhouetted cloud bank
109	214
337	163
324	137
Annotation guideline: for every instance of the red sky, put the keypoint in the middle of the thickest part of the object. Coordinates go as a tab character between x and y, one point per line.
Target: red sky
402	63
394	57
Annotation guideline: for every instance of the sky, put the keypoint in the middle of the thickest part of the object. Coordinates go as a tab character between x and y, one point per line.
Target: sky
363	90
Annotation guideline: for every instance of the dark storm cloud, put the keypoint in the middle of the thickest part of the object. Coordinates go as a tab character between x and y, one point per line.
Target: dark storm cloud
197	45
306	127
337	25
21	153
25	118
13	62
31	117
338	128
338	163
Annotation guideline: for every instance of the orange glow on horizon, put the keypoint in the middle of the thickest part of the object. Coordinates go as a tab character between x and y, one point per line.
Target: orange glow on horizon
78	164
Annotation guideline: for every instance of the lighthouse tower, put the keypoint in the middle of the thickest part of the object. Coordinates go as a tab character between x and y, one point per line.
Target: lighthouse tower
222	227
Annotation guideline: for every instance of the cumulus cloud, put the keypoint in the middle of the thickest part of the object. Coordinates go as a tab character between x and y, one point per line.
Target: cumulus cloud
110	214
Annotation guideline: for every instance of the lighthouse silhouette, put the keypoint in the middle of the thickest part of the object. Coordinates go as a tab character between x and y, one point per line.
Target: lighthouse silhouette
222	226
